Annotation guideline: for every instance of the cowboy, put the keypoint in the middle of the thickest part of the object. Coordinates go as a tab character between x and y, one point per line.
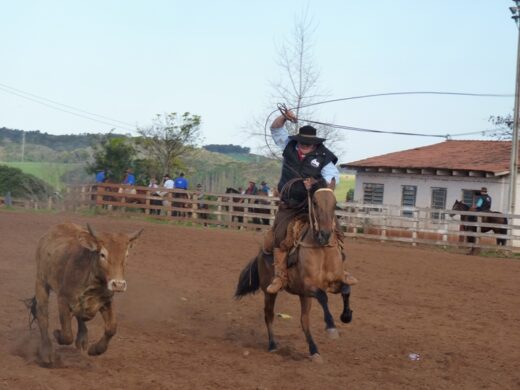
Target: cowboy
483	202
305	157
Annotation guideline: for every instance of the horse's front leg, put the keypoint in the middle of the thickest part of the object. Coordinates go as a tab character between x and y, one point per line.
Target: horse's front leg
346	316
306	303
322	298
101	346
269	301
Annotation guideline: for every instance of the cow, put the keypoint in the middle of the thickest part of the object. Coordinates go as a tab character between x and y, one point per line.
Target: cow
84	268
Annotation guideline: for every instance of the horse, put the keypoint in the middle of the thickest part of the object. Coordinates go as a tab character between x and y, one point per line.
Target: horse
315	268
231	190
498	220
180	195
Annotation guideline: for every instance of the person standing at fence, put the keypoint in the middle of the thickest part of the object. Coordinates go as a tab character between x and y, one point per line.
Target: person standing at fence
129	177
181	183
101	176
251	188
483	201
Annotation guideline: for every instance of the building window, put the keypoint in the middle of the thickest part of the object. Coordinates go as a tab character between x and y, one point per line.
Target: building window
468	196
373	193
408	199
438	201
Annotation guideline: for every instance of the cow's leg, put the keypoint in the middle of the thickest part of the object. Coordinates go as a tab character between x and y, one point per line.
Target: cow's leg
46	351
346	316
323	299
82	336
101	346
64	336
269	301
306	303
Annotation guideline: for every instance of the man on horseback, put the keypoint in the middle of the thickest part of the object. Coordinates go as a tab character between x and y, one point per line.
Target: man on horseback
306	158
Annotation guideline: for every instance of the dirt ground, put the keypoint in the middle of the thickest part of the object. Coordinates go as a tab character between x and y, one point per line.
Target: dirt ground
179	328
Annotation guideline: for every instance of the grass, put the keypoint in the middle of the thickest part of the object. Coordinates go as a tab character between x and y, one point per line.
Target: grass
346	182
50	173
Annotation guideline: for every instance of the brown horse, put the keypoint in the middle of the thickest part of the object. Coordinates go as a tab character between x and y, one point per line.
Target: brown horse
498	220
231	190
315	268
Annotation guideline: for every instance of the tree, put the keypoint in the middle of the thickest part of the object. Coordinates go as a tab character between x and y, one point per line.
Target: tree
169	137
299	83
115	155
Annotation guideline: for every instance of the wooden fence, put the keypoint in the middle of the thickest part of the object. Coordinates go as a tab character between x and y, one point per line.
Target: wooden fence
380	222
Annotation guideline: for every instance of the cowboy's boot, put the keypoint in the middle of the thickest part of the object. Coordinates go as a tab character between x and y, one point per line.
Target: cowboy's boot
268	245
280	272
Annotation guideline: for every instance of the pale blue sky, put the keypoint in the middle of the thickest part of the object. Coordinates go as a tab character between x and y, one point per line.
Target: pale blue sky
129	60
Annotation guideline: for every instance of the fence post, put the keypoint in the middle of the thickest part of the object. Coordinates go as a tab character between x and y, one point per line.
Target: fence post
415	227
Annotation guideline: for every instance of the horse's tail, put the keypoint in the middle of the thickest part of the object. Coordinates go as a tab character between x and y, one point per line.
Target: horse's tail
249	280
31	305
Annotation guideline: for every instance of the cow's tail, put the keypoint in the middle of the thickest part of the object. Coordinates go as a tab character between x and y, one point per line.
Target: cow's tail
31	305
249	280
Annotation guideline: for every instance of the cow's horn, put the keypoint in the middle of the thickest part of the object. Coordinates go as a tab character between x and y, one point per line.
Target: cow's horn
91	231
135	235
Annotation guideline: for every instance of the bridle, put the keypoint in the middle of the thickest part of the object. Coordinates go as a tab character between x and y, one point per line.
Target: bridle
313	220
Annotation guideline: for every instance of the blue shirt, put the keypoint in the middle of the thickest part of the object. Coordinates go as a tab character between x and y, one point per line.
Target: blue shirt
130	179
281	139
100	177
181	183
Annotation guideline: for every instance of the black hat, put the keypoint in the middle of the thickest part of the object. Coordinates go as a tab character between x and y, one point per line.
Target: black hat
483	189
307	135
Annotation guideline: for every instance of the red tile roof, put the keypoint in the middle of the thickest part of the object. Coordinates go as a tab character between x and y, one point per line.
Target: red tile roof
486	156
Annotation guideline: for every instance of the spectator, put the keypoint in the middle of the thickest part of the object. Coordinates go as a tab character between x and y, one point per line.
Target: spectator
101	176
251	189
129	178
154	202
181	182
241	190
265	188
168	182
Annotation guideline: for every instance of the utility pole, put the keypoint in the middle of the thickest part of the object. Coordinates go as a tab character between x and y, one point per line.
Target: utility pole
514	141
23	144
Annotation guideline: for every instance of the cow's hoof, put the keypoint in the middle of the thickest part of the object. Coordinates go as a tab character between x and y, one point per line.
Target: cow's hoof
47	357
316	358
346	317
94	350
333	333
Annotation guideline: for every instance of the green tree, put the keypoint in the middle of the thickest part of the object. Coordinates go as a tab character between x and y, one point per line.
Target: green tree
168	138
115	155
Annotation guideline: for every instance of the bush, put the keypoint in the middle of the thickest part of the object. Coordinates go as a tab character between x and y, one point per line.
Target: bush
22	185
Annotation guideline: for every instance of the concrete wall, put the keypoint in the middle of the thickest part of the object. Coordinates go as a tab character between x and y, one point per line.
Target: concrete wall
497	188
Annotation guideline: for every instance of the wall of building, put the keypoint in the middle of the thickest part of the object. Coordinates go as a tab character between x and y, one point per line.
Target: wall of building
497	188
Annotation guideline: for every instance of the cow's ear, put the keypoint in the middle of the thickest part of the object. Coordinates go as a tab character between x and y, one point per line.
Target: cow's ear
88	242
135	236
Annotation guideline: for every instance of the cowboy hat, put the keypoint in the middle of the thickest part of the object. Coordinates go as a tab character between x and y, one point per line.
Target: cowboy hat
483	189
307	135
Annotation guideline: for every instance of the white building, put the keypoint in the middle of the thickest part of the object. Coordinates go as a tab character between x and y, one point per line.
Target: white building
436	175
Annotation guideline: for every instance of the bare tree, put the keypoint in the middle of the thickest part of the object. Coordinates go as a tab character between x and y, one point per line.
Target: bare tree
169	136
299	83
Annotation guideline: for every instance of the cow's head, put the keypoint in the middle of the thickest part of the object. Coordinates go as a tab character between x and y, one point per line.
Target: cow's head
110	252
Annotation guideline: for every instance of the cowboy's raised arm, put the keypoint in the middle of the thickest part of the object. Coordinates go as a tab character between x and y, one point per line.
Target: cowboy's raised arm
279	132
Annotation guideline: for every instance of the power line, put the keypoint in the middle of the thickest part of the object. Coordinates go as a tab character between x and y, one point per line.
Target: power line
42	101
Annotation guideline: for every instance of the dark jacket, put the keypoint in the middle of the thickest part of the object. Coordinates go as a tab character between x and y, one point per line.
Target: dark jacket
309	167
483	202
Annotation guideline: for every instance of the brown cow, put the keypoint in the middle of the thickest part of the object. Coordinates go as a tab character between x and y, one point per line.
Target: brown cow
84	269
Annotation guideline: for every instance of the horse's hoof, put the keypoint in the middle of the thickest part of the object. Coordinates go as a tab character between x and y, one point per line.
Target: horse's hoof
316	358
346	317
333	333
273	347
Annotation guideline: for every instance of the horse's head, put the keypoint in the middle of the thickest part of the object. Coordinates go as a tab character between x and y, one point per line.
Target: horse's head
323	216
459	206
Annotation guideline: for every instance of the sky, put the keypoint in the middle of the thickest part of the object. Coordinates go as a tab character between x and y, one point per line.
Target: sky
126	61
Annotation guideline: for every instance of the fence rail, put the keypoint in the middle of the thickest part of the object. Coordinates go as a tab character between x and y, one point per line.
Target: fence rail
377	222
